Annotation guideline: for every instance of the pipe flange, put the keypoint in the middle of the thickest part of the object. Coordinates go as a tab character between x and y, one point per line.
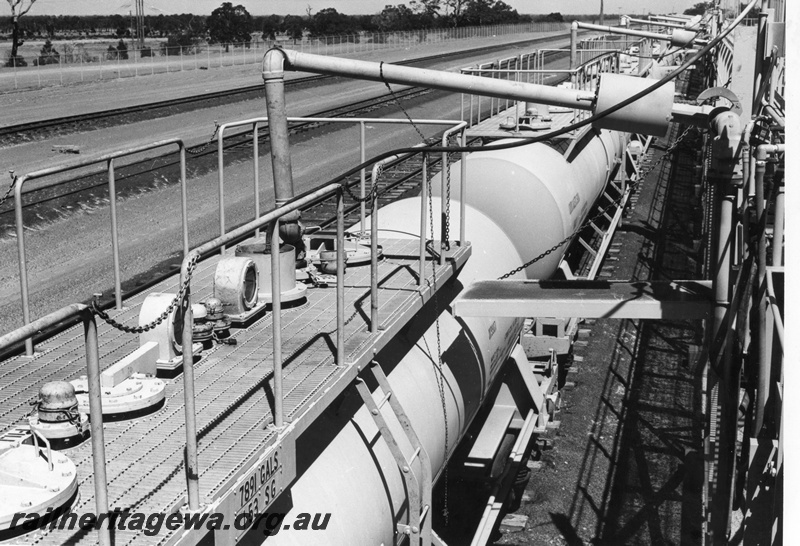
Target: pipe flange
64	430
138	392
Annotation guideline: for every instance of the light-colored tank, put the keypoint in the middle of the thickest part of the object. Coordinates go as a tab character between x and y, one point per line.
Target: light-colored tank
519	202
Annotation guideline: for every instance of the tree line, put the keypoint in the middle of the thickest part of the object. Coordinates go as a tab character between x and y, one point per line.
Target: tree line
231	23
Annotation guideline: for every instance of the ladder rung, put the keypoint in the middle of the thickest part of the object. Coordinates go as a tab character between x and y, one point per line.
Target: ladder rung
414	456
424	513
385	399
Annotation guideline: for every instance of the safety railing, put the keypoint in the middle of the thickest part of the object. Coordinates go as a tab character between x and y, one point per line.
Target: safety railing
518	69
109	160
259	123
25	334
270	220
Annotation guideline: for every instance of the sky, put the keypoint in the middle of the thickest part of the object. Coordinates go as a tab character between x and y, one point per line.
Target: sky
350	7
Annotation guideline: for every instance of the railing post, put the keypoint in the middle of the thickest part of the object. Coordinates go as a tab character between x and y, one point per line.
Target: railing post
443	214
363	175
373	272
184	199
23	265
96	422
256	189
277	357
462	228
185	315
221	189
112	197
340	255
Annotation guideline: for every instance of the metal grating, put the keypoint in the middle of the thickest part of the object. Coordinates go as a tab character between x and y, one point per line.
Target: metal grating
232	383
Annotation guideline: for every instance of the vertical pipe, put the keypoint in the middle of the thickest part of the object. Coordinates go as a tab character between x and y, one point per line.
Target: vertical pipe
443	215
423	223
573	49
221	188
112	198
462	228
184	200
23	265
373	271
363	204
256	188
185	315
778	226
340	254
96	423
761	38
760	295
277	357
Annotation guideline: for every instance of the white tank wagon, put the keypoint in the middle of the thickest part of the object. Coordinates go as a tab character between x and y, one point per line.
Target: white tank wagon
519	202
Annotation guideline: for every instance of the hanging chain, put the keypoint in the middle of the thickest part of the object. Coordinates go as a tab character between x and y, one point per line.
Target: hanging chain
397	102
373	190
439	365
446	211
10	187
162	317
200	148
615	203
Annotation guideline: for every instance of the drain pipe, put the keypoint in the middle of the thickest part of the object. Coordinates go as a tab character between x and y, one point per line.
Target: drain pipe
724	156
273	74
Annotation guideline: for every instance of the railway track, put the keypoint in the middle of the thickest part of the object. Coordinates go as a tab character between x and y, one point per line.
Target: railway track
40	129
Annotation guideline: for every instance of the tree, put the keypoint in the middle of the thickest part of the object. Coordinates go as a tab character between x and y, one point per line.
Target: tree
229	24
699	8
293	26
270	27
18	9
48	54
123	50
329	21
489	12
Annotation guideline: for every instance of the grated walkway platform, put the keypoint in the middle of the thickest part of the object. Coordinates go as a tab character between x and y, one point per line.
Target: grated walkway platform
490	128
145	462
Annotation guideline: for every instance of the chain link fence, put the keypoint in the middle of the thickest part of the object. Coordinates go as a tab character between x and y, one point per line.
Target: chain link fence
67	63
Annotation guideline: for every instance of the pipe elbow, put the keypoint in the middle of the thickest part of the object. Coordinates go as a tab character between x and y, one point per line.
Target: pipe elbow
575	25
272	64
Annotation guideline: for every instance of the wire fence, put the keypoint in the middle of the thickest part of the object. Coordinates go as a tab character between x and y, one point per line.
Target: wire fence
68	63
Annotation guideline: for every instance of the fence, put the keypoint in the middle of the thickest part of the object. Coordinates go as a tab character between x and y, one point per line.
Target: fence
98	64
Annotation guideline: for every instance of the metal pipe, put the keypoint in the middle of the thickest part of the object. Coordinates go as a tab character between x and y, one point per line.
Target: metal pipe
277	357
112	200
655	23
761	38
184	200
96	423
185	315
462	234
273	74
256	182
778	225
340	265
363	186
23	265
447	81
373	266
221	188
573	50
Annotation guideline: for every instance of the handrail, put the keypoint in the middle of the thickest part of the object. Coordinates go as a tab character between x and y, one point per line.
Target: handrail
25	333
264	119
109	160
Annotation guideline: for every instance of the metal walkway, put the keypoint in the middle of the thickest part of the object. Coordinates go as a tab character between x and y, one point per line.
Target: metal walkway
233	389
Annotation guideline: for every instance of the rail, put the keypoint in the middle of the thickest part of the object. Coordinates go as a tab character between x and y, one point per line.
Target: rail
362	122
108	159
26	333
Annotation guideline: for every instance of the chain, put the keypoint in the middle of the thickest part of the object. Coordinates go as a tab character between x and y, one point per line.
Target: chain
369	195
446	212
439	365
397	102
200	148
162	317
10	187
615	203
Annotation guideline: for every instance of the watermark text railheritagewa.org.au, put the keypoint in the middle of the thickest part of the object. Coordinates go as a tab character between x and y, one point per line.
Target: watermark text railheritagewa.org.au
154	523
